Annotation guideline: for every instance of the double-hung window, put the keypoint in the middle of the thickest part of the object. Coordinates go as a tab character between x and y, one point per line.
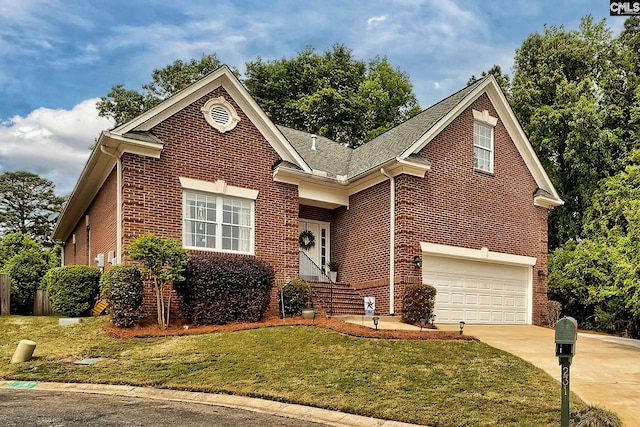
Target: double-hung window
218	221
483	147
483	141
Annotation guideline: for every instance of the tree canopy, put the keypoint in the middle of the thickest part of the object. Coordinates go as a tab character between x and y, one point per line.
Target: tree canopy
28	205
333	94
122	105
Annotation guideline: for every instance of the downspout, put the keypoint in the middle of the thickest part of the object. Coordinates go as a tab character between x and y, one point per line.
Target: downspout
118	203
392	239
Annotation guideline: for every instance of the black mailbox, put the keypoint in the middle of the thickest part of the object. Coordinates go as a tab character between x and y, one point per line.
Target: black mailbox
566	336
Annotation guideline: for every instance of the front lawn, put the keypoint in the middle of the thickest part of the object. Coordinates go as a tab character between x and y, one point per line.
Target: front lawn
439	383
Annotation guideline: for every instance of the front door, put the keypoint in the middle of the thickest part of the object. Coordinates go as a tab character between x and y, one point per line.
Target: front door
319	252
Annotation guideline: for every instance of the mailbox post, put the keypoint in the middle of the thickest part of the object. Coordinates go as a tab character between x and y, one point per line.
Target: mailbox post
566	336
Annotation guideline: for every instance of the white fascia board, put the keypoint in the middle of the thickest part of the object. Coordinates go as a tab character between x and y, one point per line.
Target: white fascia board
483	255
93	175
224	77
121	144
547	202
324	192
321	189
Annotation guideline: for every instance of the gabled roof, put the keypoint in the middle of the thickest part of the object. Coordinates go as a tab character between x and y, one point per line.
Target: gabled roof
404	141
134	137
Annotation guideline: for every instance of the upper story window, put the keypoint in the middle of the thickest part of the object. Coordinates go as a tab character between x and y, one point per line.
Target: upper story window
218	217
483	144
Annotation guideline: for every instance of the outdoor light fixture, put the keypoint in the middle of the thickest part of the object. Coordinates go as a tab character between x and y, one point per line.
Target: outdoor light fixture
462	326
417	261
375	321
433	320
422	323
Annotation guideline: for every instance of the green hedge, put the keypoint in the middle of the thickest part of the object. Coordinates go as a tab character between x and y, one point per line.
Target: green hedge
222	288
295	294
73	288
418	302
123	288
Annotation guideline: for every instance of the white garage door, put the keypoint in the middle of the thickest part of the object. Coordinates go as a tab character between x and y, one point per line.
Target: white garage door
478	292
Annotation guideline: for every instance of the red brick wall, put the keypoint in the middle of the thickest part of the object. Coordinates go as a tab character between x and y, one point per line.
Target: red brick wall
316	214
102	227
458	206
360	243
152	194
453	205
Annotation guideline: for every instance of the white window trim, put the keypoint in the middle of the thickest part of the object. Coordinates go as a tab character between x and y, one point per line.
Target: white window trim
231	123
220	188
483	118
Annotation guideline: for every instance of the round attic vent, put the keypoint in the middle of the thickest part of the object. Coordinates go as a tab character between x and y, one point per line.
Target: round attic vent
220	114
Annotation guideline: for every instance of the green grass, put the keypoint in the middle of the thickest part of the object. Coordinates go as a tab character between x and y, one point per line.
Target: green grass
440	383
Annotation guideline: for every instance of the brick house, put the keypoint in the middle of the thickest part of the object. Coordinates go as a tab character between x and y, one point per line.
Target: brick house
454	197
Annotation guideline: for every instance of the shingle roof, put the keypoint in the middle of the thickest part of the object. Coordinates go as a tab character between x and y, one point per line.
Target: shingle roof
329	156
338	160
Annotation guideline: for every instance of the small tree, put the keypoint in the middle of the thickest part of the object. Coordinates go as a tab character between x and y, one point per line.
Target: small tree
163	260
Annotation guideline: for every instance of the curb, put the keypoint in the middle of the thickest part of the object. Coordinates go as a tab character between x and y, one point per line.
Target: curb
289	410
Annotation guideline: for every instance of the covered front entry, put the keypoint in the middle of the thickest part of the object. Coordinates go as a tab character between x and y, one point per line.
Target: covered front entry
478	286
319	252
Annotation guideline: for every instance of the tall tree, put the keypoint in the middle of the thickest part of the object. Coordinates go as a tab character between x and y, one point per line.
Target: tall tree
28	205
556	96
332	94
503	79
122	105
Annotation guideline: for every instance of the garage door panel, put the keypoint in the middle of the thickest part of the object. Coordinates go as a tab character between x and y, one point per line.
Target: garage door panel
478	292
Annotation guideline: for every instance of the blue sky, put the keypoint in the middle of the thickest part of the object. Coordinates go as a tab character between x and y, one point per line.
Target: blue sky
58	56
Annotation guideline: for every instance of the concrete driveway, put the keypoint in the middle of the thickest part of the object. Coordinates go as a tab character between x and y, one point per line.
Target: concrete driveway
605	371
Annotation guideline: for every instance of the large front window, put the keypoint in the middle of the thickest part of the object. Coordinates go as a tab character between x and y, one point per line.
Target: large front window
216	222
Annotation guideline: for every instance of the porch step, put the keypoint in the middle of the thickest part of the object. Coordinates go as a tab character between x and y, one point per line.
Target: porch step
337	298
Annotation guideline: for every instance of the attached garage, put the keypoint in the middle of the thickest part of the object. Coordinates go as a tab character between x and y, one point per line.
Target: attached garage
478	286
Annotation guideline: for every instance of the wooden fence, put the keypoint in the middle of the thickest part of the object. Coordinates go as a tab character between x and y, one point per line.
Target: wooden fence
42	304
5	294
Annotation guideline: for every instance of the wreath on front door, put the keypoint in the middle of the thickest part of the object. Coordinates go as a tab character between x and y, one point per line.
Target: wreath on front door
306	240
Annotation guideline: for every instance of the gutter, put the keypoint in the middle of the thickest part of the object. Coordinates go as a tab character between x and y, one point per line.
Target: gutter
118	203
392	239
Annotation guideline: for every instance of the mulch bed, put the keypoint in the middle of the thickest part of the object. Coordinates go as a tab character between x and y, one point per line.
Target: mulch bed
177	328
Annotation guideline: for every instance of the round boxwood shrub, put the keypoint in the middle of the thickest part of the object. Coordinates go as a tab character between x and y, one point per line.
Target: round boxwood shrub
73	288
295	294
417	302
123	288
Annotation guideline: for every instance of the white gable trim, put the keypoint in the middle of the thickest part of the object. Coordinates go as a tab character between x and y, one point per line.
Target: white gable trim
505	113
224	77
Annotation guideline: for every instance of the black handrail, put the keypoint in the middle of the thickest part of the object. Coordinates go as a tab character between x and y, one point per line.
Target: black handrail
309	271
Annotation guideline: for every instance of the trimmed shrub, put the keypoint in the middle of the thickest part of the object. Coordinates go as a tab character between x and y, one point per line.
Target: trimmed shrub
594	417
295	294
123	288
417	302
552	310
221	288
73	288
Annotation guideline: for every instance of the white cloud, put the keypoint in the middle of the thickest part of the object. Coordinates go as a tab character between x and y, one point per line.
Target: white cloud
374	21
52	143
